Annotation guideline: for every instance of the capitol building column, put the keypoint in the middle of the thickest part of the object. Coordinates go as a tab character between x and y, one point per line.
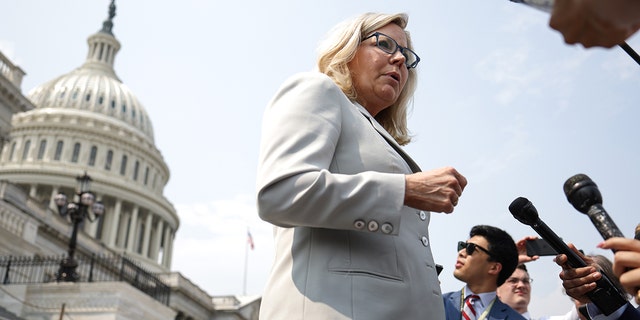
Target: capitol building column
168	248
121	237
157	237
133	230
54	193
91	227
33	190
112	226
147	234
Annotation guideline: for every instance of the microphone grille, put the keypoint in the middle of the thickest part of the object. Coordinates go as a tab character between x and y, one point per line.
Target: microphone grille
569	185
523	210
637	233
518	204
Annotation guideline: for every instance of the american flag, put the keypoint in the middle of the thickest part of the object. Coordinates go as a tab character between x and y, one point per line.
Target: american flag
250	239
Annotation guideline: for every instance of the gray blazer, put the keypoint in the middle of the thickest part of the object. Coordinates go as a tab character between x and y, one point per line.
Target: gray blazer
346	246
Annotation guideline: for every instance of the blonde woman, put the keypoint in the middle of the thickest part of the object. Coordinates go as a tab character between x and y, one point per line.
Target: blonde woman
350	208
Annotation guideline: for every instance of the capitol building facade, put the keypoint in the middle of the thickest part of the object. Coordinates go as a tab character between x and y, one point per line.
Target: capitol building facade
87	123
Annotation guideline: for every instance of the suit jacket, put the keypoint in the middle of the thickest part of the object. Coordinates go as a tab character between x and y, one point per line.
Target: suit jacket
499	310
629	313
346	246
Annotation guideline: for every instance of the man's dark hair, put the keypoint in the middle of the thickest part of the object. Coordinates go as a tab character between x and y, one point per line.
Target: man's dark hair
502	247
522	267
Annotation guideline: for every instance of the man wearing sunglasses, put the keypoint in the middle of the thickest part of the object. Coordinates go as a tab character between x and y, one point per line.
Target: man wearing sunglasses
484	262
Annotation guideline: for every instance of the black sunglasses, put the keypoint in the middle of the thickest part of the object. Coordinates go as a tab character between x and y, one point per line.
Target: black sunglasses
471	248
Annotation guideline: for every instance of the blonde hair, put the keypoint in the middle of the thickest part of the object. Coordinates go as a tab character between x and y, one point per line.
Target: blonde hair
340	47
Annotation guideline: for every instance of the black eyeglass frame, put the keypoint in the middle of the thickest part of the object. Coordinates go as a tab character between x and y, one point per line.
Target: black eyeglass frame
471	247
514	281
398	47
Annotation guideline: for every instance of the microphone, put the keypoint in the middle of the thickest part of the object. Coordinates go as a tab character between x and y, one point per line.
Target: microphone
524	211
605	296
584	195
544	5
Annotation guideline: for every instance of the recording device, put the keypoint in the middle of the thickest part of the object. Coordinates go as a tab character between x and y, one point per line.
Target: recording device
584	195
539	247
605	296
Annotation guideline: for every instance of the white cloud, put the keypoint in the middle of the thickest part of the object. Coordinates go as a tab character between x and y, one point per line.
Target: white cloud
554	303
524	21
507	67
622	65
212	248
514	148
236	212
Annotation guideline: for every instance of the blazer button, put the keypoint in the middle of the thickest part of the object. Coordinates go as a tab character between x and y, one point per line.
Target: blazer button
386	228
358	224
425	241
423	216
372	226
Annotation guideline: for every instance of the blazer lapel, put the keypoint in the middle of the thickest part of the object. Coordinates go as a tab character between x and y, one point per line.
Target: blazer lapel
412	164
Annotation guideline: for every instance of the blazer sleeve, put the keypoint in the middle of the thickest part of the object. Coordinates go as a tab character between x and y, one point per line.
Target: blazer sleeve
301	128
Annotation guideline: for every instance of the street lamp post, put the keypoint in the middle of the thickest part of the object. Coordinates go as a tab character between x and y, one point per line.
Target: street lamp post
85	207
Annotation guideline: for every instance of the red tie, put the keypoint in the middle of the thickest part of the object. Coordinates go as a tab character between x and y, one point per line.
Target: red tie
469	312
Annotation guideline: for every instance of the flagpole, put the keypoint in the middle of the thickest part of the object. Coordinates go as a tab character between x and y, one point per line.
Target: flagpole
246	259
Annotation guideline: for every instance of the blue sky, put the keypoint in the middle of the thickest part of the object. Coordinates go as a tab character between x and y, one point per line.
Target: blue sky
500	97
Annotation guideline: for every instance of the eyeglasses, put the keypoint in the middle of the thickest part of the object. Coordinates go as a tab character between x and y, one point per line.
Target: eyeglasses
390	46
471	248
514	281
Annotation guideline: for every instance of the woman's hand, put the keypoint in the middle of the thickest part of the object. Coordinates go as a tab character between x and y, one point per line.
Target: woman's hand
435	190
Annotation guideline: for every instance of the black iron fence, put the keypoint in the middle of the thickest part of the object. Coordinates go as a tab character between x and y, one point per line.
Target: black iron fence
24	270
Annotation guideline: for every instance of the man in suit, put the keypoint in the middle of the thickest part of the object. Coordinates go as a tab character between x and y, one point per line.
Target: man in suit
516	291
484	262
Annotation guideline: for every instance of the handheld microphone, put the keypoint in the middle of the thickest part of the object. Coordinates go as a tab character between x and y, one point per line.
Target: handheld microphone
584	195
605	296
524	211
